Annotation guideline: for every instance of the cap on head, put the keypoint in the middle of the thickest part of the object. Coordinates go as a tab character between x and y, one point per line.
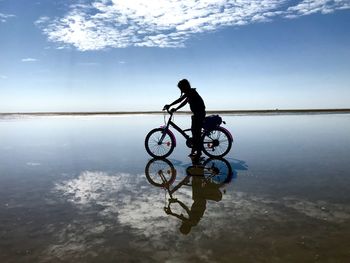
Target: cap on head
184	85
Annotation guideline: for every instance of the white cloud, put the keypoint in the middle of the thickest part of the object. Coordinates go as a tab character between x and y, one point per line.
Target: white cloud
3	77
5	17
33	164
42	20
29	59
166	23
89	64
308	7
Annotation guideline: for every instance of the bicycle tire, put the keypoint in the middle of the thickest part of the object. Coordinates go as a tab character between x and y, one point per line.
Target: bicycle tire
217	142
156	149
156	168
219	170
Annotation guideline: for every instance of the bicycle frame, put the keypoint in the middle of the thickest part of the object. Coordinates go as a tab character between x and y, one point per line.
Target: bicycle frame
181	131
172	124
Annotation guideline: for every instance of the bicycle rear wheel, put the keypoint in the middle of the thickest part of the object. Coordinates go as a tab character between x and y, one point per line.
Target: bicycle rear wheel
217	143
218	171
159	144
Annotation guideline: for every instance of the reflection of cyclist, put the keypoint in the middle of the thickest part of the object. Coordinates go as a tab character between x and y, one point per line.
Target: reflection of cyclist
202	190
191	96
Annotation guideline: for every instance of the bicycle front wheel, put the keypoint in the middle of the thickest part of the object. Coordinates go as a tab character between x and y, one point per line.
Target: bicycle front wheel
159	143
217	143
160	172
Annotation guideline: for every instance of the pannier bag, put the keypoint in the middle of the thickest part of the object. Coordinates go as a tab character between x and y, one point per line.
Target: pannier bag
211	122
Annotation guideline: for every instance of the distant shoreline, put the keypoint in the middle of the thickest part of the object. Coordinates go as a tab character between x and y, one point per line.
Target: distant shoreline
224	112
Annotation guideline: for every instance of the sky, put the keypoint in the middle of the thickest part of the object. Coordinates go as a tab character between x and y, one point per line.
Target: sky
123	55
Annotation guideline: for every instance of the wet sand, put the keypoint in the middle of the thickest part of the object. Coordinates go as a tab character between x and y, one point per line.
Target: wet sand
76	190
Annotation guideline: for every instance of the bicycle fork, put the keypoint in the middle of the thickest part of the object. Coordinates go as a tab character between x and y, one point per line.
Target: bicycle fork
164	133
165	129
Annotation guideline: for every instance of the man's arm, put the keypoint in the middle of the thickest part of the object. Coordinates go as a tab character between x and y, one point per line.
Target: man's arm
182	104
183	97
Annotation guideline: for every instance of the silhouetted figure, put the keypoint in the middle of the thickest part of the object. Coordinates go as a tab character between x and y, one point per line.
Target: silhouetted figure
202	190
190	95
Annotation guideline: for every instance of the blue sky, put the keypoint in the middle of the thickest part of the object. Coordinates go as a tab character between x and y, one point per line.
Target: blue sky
119	55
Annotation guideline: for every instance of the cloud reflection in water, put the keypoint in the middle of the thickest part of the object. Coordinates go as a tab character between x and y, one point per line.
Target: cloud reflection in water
123	204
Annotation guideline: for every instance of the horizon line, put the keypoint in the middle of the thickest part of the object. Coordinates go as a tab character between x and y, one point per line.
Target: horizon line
265	111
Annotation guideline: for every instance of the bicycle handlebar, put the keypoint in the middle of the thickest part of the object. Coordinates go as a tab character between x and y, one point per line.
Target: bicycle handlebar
170	112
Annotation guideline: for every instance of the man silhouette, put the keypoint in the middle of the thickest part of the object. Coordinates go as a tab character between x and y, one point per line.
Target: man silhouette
190	95
202	191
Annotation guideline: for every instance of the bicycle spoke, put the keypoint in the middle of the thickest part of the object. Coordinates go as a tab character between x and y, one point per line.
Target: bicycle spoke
218	171
159	144
216	143
160	172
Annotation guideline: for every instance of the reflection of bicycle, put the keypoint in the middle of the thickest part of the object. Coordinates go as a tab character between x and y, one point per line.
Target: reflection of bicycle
205	179
160	142
161	172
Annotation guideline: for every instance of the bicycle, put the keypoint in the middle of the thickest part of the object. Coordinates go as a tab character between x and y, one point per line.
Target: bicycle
161	172
160	142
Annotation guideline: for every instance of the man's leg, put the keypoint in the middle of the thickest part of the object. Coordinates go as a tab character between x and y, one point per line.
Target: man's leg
197	122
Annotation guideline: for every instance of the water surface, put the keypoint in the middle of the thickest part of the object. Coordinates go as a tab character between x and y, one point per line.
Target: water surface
73	189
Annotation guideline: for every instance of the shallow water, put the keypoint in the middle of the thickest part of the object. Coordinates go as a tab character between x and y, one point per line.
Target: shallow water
73	189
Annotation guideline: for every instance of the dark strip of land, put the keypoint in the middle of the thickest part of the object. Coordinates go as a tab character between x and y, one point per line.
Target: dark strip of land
226	112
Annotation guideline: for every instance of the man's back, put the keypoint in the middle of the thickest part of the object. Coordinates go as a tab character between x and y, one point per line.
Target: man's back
196	102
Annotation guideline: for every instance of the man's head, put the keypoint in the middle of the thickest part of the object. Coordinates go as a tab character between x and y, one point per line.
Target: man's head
184	85
185	228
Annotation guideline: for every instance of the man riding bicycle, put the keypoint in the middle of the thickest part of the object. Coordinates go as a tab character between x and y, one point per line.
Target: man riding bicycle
190	95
